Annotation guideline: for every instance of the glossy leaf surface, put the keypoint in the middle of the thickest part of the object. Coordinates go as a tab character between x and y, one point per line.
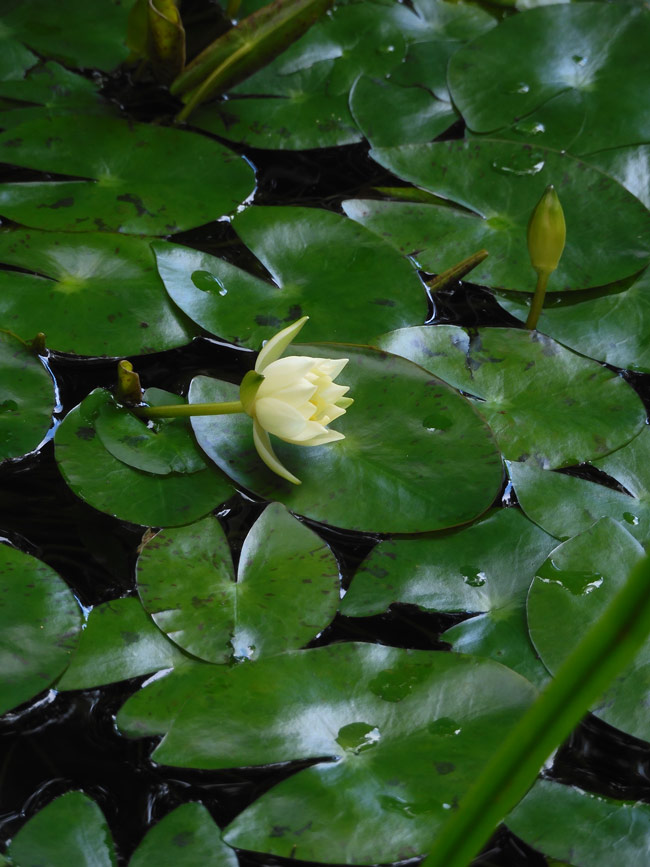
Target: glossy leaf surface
307	252
94	294
570	592
186	837
39	625
545	404
494	186
581	828
405	739
119	641
111	486
596	53
285	591
122	165
485	569
26	397
396	403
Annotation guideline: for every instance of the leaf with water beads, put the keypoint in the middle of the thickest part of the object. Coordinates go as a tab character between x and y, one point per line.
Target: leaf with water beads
570	592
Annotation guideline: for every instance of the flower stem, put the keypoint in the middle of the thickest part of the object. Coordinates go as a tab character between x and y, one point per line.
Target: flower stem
457	271
538	299
187	409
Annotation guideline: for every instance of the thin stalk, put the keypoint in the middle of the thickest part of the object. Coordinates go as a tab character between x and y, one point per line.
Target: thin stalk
457	271
608	646
199	94
538	299
187	409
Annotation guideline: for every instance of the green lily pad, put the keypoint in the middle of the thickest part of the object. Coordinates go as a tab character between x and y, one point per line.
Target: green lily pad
389	114
496	185
39	625
70	830
71	34
571	591
15	59
108	484
596	52
565	505
99	295
49	89
285	592
119	641
186	837
545	404
613	327
408	436
581	828
307	252
137	178
408	731
26	398
485	569
161	449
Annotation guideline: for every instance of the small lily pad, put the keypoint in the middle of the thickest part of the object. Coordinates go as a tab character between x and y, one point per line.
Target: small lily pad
581	828
26	398
285	592
39	625
494	186
307	252
545	404
485	569
571	591
70	830
398	736
186	837
408	436
565	505
611	325
134	178
108	484
99	295
119	641
596	52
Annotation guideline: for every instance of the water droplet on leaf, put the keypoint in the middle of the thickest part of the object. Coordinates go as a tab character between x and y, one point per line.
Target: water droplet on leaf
358	737
630	518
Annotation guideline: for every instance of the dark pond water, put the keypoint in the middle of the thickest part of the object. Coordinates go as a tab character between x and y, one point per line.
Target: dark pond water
59	742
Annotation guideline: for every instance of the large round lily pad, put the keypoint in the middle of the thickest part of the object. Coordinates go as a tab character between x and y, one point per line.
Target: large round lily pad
26	397
485	569
611	326
407	732
545	404
70	830
581	828
571	591
596	53
71	33
308	253
629	165
96	295
285	592
39	625
565	505
120	641
494	186
186	837
416	456
108	484
137	177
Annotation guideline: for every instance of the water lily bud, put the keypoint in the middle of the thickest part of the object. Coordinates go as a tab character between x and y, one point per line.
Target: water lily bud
294	398
546	232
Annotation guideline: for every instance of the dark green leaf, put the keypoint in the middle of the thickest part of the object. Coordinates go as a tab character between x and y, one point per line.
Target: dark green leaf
39	625
137	180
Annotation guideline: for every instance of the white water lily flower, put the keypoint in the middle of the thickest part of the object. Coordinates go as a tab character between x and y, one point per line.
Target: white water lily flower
295	398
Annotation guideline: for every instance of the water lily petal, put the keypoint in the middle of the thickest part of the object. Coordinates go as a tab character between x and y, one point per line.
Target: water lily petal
280	418
265	451
275	346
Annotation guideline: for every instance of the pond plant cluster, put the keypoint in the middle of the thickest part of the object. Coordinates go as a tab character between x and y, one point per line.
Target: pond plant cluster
203	663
